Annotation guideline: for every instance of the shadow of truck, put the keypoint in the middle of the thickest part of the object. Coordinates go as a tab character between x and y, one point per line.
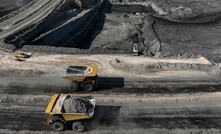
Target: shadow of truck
109	82
104	116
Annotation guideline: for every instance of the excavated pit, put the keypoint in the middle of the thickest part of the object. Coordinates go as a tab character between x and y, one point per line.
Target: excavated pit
166	28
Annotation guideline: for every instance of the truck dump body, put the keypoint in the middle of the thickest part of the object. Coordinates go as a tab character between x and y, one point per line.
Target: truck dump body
77	70
81	71
59	103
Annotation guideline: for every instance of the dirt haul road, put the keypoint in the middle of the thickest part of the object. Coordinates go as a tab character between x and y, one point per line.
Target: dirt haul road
138	114
45	73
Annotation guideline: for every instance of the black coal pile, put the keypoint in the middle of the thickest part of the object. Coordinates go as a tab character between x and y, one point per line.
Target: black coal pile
77	105
66	26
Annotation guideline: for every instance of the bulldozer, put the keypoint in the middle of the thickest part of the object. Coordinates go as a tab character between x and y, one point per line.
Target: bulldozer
82	77
60	119
21	55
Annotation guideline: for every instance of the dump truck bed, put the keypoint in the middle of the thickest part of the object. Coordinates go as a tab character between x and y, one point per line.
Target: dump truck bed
55	106
81	71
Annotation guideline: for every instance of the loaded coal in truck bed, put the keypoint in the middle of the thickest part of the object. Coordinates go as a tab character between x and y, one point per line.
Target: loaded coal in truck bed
73	104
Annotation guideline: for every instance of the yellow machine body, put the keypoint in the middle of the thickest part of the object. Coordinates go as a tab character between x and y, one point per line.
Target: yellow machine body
54	107
92	72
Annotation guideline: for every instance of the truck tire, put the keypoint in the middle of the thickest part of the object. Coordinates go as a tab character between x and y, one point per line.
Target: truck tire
74	86
58	126
78	127
88	86
56	118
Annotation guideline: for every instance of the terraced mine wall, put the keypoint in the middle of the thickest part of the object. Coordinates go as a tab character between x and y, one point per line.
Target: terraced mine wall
7	6
4	15
66	26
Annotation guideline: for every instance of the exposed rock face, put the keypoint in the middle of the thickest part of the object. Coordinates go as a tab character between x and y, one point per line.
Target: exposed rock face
152	42
146	36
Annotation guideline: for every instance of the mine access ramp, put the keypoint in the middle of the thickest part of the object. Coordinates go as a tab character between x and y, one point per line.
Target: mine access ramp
69	109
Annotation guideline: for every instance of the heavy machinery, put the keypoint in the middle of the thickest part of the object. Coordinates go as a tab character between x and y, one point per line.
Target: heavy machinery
21	55
135	49
60	119
84	77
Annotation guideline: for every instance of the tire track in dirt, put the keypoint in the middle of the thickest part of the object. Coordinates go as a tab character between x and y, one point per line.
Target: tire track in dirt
25	119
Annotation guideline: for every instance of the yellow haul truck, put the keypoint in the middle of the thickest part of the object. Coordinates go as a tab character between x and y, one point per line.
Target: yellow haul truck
84	77
59	119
